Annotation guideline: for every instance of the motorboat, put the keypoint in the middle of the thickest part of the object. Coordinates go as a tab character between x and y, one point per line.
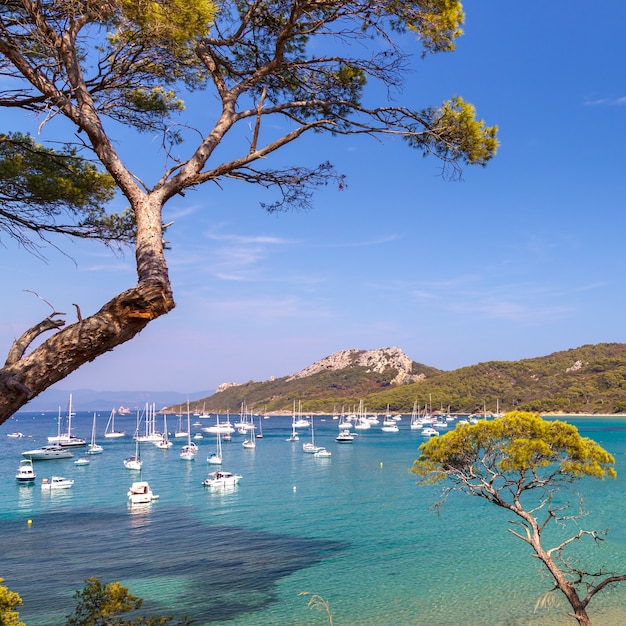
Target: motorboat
47	453
15	435
25	471
345	436
83	460
390	428
323	453
56	482
140	493
220	478
429	431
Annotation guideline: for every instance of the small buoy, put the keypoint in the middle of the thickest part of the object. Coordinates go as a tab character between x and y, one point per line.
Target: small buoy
381	465
294	488
30	521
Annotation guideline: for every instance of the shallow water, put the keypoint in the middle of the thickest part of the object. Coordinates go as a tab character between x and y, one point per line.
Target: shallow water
354	528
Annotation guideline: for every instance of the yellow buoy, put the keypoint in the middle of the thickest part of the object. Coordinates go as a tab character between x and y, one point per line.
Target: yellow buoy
30	521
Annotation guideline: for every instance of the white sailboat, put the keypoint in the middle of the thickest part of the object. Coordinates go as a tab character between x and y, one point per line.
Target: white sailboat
134	462
66	439
216	457
180	431
190	449
109	431
151	434
294	432
93	447
310	447
164	443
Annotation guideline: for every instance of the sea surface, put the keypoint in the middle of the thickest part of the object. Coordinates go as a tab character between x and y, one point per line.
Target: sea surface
354	529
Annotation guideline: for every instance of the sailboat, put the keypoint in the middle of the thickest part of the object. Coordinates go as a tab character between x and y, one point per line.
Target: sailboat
180	432
164	443
294	432
216	457
109	431
310	447
259	435
301	422
67	439
190	449
134	462
93	447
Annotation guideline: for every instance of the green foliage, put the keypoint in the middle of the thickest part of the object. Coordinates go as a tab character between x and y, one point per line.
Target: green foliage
441	25
521	446
589	379
106	604
41	187
546	384
176	22
8	601
460	135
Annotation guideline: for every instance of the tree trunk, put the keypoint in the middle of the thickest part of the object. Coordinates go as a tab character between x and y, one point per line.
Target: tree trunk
115	323
122	318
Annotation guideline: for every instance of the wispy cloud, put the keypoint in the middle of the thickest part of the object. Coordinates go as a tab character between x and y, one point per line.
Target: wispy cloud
619	101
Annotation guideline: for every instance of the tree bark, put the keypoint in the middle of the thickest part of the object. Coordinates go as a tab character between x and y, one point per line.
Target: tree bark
118	321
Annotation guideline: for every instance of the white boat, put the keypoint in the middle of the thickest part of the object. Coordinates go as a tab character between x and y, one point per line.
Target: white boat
220	478
93	447
215	458
134	462
180	432
429	431
48	453
82	461
109	431
66	439
310	447
151	434
140	493
390	428
219	427
56	482
249	443
164	443
190	449
323	453
298	420
15	435
25	471
345	436
294	432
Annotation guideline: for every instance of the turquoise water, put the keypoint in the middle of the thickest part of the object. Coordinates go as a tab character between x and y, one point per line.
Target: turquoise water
354	528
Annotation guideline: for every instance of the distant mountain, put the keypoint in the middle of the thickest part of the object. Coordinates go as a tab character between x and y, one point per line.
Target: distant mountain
589	379
91	400
343	378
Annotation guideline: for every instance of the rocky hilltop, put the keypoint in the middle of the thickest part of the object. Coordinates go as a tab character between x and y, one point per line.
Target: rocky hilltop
588	379
378	361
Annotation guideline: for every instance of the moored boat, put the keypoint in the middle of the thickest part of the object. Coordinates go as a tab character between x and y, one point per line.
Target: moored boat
25	472
48	453
140	493
56	482
220	478
345	436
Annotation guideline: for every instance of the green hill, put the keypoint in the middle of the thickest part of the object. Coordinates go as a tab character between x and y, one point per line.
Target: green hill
589	379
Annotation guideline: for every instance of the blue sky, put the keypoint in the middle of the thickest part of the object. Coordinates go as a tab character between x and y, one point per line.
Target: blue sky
520	259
